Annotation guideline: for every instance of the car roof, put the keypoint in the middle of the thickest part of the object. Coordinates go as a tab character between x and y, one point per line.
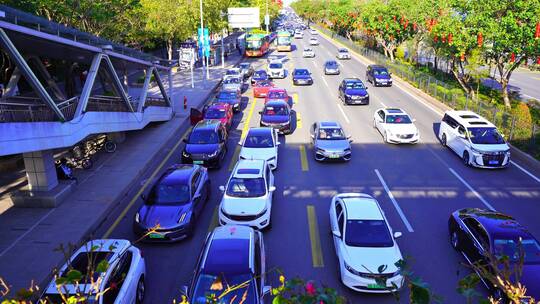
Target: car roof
218	106
277	90
330	61
497	224
229	250
301	69
273	103
343	49
207	124
180	173
260	131
352	80
329	124
377	66
249	168
234	69
470	119
362	208
245	64
396	111
276	61
228	91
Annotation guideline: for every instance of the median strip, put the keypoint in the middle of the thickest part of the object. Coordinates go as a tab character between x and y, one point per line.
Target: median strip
303	158
298	120
316	252
234	159
214	221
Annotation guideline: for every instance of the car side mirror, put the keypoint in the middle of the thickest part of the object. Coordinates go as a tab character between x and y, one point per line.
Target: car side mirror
144	197
184	290
349	136
336	233
184	140
266	290
414	120
272	189
312	136
260	112
222	188
278	143
397	235
239	143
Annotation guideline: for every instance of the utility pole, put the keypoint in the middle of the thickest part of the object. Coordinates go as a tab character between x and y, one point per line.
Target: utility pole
202	40
266	18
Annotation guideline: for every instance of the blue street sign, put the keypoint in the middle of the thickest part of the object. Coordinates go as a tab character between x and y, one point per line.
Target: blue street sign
204	42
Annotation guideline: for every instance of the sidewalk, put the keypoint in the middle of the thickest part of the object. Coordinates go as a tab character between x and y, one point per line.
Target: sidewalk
28	237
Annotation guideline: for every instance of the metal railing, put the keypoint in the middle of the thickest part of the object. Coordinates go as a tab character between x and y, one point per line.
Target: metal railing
526	137
106	104
31	109
155	102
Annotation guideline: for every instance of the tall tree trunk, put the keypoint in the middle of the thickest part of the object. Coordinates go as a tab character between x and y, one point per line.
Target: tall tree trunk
169	49
462	82
435	63
506	98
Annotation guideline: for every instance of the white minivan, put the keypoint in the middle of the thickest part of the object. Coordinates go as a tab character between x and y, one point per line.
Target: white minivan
474	139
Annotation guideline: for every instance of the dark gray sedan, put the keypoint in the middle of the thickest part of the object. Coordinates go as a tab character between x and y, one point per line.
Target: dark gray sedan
330	142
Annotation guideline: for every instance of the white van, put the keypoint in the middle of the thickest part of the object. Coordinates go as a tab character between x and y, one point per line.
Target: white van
474	139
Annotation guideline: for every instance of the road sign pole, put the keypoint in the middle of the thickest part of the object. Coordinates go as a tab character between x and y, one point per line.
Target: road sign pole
222	49
191	62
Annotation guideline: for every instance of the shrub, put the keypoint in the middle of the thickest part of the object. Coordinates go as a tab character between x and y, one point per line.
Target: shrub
523	123
400	53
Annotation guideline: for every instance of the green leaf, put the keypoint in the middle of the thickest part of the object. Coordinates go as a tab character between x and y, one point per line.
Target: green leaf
102	266
74	276
419	294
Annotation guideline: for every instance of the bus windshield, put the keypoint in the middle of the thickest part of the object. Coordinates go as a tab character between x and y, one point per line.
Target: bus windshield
253	44
284	40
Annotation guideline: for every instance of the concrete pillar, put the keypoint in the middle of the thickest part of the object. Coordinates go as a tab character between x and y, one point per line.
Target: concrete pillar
40	170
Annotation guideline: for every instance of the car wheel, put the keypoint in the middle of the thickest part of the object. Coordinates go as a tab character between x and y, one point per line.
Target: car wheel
443	140
466	159
140	291
454	239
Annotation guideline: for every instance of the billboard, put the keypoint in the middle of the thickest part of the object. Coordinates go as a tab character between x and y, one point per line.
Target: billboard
243	17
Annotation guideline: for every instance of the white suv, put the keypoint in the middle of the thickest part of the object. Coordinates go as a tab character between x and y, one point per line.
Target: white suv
121	282
247	198
365	244
276	69
396	126
308	53
261	143
474	139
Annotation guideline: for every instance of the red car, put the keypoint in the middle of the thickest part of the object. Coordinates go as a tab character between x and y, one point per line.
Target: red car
219	111
275	94
261	88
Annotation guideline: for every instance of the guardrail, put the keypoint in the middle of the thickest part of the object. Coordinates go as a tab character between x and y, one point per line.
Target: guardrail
526	139
31	109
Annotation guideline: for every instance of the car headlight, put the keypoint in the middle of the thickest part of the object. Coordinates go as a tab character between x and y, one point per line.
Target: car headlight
475	151
367	95
185	154
322	151
351	270
271	159
137	217
213	154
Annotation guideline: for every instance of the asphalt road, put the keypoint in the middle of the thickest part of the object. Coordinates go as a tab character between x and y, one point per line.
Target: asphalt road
427	182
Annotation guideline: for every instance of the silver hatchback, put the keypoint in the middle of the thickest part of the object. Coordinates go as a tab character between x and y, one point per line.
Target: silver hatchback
330	142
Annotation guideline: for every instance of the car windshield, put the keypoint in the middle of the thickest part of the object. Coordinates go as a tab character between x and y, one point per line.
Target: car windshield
368	233
244	65
398	119
259	141
215	114
343	51
331	134
276	110
276	65
169	194
264	84
331	64
277	94
380	72
307	50
227	95
513	249
212	286
355	85
202	137
231	80
485	136
246	187
301	72
232	72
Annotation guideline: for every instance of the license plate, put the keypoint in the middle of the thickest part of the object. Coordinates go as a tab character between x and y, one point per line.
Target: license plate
493	162
198	162
334	156
375	286
156	236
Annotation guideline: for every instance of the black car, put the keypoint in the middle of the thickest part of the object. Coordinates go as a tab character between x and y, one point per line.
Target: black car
206	144
232	256
278	115
331	67
302	76
479	234
378	75
353	91
174	203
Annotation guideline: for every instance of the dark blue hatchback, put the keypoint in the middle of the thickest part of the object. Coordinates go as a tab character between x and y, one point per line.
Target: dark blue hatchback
258	76
353	91
173	204
301	76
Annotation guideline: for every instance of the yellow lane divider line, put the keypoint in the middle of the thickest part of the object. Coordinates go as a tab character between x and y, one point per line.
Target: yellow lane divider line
214	221
143	188
303	158
298	120
245	129
295	98
314	236
234	158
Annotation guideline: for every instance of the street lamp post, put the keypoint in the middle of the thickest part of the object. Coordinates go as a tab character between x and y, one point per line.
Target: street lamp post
265	17
202	40
223	14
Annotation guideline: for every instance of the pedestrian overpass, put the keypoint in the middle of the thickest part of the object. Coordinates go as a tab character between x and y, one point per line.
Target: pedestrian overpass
61	85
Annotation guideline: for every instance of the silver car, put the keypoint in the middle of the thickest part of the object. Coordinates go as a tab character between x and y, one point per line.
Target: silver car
246	69
330	142
233	83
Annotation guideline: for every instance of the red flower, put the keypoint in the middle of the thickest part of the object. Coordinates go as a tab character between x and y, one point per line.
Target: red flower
310	288
512	57
450	38
537	32
480	39
538	60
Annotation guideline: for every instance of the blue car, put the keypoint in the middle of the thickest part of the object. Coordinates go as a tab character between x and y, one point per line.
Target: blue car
258	76
173	205
378	75
301	76
353	91
232	97
277	114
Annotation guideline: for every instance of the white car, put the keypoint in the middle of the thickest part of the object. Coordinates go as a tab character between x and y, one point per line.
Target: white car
396	126
247	198
276	69
122	282
364	241
343	54
313	41
232	72
233	83
308	53
313	32
298	35
261	143
474	139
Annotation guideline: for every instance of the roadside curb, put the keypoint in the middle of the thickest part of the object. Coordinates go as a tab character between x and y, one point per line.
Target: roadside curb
152	160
